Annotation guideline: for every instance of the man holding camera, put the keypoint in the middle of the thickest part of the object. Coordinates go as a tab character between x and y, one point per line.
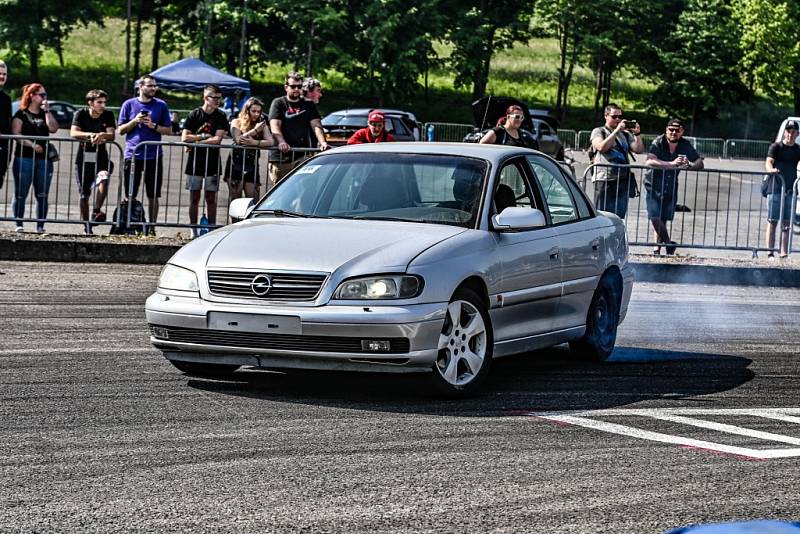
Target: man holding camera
611	144
144	118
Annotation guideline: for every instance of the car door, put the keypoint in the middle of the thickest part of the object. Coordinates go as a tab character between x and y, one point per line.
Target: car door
580	240
530	283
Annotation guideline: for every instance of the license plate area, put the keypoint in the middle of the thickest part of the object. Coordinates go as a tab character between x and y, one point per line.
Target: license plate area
254	322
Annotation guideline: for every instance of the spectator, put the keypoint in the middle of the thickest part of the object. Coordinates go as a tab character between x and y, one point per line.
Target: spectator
33	162
668	154
312	90
176	123
144	118
611	144
375	132
249	129
204	126
509	131
94	125
5	122
782	158
292	120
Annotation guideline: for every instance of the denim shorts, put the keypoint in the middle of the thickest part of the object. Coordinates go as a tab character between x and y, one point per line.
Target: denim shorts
774	208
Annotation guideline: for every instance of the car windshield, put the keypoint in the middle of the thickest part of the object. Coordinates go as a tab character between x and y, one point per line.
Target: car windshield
345	120
438	189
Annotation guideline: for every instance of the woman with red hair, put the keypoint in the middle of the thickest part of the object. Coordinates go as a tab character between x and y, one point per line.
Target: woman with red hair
31	163
509	131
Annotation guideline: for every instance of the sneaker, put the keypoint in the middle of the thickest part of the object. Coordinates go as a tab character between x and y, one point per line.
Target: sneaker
771	256
19	229
99	216
87	230
151	231
671	248
40	230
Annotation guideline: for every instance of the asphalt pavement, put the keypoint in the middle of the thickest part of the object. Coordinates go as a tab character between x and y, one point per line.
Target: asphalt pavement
695	419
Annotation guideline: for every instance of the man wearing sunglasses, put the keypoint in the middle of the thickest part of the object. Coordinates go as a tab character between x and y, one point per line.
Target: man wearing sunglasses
293	121
375	132
668	154
204	126
611	144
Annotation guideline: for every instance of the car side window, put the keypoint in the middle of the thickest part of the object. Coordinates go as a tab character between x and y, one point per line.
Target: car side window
556	192
544	129
512	178
399	127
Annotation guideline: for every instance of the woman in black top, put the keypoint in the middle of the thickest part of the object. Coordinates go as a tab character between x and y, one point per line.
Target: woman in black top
249	129
509	131
32	166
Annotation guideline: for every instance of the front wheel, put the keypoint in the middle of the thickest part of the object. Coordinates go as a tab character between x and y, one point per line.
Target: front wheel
602	320
205	370
465	346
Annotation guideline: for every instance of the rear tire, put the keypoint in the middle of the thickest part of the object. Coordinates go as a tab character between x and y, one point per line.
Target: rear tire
602	321
465	347
205	370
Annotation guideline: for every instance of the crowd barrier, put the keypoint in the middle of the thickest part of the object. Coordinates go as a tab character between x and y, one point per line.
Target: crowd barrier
446	132
63	193
717	209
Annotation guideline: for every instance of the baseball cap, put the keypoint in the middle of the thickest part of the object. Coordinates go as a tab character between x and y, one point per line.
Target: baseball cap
791	125
675	122
376	116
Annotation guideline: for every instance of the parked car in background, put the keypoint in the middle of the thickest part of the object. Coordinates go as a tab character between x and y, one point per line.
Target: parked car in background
340	125
431	258
62	111
539	122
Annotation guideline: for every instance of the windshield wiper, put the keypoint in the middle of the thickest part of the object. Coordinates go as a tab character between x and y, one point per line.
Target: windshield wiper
284	213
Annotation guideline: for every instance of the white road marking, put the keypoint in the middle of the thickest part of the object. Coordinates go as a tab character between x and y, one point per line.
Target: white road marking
587	419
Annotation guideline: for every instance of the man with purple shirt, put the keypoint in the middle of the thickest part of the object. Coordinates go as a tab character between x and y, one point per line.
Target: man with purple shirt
144	118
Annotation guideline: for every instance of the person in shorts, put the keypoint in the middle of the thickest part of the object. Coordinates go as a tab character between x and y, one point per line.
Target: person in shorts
250	129
782	158
94	127
204	126
668	154
144	118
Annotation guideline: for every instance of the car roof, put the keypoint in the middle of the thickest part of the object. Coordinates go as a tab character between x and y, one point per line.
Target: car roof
493	153
365	111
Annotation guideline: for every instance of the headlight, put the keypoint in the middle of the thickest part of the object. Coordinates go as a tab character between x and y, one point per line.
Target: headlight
379	288
178	278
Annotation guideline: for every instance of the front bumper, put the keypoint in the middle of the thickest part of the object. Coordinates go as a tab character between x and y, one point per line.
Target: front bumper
324	337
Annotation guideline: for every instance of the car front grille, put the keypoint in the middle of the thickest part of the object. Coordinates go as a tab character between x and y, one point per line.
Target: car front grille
285	286
255	340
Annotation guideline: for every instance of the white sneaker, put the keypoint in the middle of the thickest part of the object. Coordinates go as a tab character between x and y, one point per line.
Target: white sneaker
19	229
40	230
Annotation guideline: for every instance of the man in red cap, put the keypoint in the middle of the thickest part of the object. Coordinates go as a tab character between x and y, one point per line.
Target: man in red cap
375	132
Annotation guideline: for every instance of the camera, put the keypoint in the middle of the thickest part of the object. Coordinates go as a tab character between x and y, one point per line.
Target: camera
630	125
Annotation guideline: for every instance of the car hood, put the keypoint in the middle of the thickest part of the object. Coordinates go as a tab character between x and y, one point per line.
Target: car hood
326	245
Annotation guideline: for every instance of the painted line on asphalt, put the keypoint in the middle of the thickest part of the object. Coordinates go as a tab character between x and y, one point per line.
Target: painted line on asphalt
587	419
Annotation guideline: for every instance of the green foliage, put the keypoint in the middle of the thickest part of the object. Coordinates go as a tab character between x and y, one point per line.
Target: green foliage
770	43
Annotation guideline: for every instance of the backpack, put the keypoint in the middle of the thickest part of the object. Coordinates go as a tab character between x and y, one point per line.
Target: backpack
123	226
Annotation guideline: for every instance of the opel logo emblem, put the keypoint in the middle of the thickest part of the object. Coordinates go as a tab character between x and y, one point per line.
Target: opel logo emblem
261	284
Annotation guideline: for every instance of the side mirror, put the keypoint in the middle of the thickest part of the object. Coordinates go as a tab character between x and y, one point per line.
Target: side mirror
518	218
240	208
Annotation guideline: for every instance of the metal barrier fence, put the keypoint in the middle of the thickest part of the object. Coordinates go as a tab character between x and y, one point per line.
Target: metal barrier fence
446	131
52	178
716	209
569	138
745	149
240	173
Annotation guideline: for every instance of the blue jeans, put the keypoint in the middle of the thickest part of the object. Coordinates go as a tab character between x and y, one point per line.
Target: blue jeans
37	172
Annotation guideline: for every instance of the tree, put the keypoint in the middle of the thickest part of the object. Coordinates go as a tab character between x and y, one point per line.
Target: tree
770	46
478	29
699	63
26	27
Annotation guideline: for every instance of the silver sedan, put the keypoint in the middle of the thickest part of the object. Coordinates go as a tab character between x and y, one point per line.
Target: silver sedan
399	257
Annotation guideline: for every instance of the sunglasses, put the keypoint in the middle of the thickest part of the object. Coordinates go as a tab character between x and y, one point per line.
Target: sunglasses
214	97
518	117
673	130
294	85
376	124
615	117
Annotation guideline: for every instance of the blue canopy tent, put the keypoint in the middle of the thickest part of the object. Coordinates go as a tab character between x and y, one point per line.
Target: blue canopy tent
192	75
